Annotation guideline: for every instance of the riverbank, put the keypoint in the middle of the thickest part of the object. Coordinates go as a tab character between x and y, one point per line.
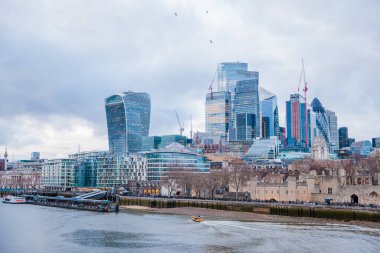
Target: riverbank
245	216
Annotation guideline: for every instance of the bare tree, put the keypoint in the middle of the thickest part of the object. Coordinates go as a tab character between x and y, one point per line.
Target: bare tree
351	169
170	182
239	175
198	184
212	181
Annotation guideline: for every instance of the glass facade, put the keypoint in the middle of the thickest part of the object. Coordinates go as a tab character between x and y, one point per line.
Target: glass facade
263	149
333	127
168	139
150	142
231	72
265	127
159	163
296	123
218	108
128	119
343	137
269	110
245	126
322	120
247	106
362	148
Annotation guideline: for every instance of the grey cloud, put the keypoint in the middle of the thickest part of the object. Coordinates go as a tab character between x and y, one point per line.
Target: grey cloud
63	58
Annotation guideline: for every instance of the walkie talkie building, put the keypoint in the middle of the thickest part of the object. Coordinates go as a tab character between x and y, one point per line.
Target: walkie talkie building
128	119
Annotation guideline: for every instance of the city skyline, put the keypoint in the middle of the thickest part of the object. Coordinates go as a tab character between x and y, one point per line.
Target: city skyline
58	58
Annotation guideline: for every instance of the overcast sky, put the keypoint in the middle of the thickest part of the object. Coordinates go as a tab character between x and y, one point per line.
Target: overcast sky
60	59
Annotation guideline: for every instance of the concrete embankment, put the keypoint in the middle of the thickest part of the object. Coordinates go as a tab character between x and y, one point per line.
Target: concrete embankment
342	214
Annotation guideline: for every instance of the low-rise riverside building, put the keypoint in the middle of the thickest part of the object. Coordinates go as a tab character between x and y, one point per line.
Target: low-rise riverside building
174	157
25	178
93	169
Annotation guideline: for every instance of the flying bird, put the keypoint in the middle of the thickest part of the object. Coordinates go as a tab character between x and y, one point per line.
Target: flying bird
211	41
207	11
175	13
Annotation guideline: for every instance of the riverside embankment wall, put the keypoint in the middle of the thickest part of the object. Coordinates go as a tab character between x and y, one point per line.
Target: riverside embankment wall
263	208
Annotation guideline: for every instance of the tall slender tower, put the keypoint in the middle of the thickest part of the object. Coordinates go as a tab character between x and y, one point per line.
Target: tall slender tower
5	159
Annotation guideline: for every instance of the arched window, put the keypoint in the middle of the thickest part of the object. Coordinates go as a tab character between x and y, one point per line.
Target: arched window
373	195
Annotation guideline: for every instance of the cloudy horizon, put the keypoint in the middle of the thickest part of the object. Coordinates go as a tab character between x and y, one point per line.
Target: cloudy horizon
60	59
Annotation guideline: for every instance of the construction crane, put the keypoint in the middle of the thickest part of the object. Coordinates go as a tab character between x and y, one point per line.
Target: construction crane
305	89
181	129
212	82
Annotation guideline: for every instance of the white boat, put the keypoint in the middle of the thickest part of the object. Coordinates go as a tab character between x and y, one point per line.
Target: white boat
14	200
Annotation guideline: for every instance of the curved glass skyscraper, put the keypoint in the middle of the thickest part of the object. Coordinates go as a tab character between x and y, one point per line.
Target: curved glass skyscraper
128	119
322	120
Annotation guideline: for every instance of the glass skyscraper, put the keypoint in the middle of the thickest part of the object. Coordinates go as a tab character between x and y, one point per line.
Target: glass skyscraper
269	112
296	122
128	119
231	72
333	127
343	137
247	110
322	120
218	113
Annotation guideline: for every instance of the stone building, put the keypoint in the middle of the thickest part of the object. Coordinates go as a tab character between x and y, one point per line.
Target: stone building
335	185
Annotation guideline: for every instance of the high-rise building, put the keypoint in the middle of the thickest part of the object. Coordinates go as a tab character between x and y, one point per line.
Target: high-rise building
282	137
333	128
35	156
350	141
376	142
231	72
322	121
128	119
218	113
296	123
269	111
343	137
247	110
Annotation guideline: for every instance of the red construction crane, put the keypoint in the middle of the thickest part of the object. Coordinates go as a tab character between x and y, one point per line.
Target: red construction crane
305	89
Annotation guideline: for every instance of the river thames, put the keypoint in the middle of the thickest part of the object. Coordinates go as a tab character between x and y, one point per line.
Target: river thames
29	228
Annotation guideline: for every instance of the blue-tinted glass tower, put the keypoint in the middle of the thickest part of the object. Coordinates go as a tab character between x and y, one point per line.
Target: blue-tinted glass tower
231	72
218	113
128	119
269	111
247	110
322	120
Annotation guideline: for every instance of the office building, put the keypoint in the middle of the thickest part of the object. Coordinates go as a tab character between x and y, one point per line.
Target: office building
247	110
269	113
343	137
128	119
333	128
322	120
350	141
218	113
150	142
174	157
35	156
169	139
299	132
362	148
376	142
231	72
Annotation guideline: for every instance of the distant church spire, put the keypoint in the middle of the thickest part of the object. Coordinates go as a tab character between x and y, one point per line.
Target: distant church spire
6	159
